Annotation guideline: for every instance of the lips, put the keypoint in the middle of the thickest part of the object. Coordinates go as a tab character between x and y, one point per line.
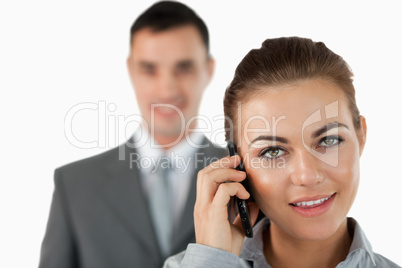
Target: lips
168	109
313	206
311	202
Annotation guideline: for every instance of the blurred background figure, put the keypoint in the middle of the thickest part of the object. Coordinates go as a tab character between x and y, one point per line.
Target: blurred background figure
132	206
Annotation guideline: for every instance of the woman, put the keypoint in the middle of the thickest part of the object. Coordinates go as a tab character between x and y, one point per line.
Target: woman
292	114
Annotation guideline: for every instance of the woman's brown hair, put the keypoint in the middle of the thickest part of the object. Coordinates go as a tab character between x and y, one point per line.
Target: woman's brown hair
282	61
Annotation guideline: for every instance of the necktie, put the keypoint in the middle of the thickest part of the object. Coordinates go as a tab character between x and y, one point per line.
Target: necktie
160	205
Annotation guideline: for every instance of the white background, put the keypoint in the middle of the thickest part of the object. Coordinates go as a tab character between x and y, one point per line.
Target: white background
57	54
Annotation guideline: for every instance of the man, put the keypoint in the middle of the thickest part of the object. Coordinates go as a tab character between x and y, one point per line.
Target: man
106	211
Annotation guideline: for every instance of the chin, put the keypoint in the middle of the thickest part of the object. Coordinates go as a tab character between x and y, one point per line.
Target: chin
170	129
317	230
315	235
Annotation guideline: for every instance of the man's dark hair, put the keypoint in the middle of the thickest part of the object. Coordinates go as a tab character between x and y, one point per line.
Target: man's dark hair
165	15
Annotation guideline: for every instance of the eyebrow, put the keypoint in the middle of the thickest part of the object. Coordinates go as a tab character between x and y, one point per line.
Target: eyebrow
269	138
180	64
315	134
146	64
326	128
185	63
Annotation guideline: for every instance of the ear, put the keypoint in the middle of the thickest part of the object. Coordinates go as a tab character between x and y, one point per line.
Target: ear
129	65
130	69
211	67
362	134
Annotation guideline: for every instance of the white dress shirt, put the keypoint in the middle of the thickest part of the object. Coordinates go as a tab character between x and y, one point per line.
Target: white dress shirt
182	160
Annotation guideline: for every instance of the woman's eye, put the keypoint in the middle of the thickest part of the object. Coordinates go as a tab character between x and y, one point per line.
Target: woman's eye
330	141
272	152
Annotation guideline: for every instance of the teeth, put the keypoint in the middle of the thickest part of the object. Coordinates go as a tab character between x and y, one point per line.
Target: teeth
310	203
165	109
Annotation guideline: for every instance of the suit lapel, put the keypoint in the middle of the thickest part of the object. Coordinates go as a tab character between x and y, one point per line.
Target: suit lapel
185	229
125	192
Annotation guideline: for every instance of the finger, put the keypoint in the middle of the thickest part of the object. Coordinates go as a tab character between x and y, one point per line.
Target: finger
225	162
226	191
208	183
220	171
215	213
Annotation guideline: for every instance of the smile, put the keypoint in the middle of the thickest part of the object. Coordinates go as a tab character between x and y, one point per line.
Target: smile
311	204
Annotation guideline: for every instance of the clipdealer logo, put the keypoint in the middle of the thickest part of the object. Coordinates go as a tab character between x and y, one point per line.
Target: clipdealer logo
114	129
330	111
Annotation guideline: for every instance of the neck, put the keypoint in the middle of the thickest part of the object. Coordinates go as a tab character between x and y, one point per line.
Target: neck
284	250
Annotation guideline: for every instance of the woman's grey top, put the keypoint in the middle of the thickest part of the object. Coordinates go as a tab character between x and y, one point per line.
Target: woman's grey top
252	254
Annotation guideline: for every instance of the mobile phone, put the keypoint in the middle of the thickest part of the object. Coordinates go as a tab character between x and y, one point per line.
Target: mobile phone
241	203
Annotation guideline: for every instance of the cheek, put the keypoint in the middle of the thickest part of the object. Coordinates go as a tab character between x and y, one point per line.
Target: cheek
192	89
268	187
143	100
142	81
192	94
347	173
194	83
349	159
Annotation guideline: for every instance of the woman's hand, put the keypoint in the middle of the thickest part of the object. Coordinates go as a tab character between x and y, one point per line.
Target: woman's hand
212	227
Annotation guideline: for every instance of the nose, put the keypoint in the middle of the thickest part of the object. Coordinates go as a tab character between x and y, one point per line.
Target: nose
307	170
166	86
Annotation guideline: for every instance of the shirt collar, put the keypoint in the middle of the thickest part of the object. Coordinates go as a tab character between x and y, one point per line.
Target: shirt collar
147	147
360	241
253	248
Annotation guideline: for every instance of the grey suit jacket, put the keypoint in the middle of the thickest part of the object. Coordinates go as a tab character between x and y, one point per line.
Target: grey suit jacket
99	216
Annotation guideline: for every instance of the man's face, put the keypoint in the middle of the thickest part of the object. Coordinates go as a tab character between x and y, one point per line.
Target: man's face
169	71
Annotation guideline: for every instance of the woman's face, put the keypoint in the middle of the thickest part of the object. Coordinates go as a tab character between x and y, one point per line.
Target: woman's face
301	153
